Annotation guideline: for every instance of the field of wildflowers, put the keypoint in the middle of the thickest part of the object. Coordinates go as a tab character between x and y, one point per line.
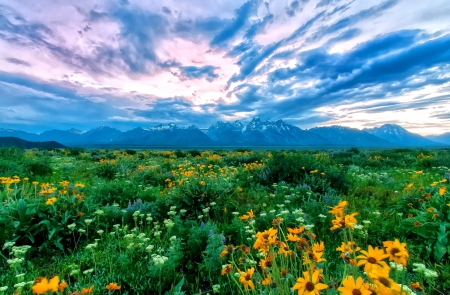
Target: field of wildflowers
348	221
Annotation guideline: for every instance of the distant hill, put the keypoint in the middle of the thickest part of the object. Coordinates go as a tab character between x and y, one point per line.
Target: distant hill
17	142
346	136
443	138
397	135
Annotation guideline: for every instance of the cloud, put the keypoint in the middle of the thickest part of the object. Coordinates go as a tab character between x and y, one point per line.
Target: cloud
193	72
17	61
242	15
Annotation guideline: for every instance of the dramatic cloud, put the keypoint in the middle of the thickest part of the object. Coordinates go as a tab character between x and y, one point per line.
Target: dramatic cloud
309	62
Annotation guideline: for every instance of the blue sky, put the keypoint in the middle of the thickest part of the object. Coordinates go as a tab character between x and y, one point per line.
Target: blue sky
128	63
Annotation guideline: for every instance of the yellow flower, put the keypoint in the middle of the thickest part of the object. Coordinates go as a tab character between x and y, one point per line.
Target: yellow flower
89	290
319	247
246	278
309	285
250	215
352	287
295	230
112	287
227	269
442	190
292	238
50	201
35	182
396	251
348	248
80	185
372	259
314	171
409	186
348	221
62	286
419	172
266	281
385	285
42	285
202	182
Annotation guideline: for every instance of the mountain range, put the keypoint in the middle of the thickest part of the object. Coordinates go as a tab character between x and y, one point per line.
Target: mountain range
255	133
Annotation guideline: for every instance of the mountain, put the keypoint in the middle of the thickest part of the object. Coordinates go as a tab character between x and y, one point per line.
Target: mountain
443	138
103	134
165	135
259	132
19	134
399	136
17	142
346	136
64	136
256	133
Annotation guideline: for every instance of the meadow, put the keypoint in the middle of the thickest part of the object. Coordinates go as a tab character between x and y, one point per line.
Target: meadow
344	221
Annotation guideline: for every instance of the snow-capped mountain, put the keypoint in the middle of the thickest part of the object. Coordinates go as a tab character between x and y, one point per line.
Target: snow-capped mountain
397	135
346	136
259	132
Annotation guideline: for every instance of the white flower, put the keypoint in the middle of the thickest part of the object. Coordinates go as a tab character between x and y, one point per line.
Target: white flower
3	289
322	216
72	226
212	204
100	232
88	271
235	213
88	221
309	226
99	212
366	221
81	230
182	211
20	285
200	216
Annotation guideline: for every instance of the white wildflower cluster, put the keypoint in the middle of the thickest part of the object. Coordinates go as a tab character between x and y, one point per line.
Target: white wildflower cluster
71	226
280	205
172	211
250	261
157	233
376	213
116	226
216	288
407	290
159	260
272	211
263	214
150	248
168	223
88	221
20	285
81	231
283	212
20	251
100	232
309	227
99	212
321	216
235	213
88	271
206	210
422	269
183	211
136	214
8	245
200	217
213	204
3	289
366	222
15	261
91	246
298	212
397	266
173	238
128	236
237	275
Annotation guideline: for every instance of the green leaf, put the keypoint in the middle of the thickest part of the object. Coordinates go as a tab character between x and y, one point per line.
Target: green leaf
58	244
46	222
30	237
51	233
179	285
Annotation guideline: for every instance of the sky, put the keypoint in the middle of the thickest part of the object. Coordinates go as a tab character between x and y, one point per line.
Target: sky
128	63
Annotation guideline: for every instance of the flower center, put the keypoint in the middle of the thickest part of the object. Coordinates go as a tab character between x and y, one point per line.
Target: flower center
248	277
372	260
356	292
385	282
310	286
394	251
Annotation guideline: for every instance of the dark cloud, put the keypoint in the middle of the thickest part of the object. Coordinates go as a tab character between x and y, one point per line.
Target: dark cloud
177	110
140	32
17	61
351	20
193	72
241	19
52	105
258	26
166	10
